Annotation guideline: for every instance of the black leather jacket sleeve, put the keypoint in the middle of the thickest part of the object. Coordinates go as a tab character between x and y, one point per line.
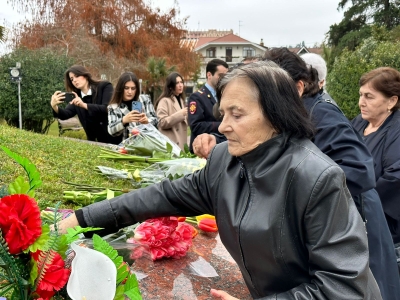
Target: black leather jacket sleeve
338	261
182	197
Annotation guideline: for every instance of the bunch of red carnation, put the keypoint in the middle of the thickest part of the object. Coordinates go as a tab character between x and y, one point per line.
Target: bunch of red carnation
21	227
165	237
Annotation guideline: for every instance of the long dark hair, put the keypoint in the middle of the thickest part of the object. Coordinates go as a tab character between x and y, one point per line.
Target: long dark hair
169	87
118	94
277	95
80	71
296	67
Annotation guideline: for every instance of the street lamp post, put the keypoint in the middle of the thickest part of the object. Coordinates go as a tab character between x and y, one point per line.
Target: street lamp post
15	73
140	85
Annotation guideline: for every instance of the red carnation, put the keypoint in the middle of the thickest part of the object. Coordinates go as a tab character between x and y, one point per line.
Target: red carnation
55	277
19	221
166	237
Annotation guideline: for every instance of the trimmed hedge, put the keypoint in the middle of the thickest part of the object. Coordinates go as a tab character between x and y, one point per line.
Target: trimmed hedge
343	79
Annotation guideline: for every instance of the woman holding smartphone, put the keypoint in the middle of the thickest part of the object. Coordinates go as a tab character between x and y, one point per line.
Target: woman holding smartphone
128	108
89	101
171	110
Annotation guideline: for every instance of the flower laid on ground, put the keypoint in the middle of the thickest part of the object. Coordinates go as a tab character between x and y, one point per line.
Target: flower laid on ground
165	237
32	256
205	222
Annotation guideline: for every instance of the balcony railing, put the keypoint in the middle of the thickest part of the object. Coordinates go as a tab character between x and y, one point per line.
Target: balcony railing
228	59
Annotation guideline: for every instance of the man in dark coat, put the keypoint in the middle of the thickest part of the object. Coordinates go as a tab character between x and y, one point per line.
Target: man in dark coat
200	115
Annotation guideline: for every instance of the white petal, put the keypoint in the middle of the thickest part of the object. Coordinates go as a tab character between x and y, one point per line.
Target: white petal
93	275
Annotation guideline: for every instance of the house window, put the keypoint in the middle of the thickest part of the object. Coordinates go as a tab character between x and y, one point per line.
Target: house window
211	52
247	52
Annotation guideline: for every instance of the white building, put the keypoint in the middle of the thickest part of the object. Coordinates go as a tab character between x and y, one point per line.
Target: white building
224	45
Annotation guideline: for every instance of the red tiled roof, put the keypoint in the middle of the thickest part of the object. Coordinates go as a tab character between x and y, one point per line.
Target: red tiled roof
204	40
230	38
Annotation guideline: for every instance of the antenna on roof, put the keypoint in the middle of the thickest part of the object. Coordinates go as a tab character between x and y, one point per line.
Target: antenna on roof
240	25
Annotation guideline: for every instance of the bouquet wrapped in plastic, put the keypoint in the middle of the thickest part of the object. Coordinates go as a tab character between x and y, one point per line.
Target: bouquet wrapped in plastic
146	140
171	169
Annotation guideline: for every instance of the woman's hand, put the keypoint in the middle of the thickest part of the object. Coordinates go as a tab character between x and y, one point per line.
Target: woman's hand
56	99
69	222
144	119
134	116
221	295
203	144
77	101
184	111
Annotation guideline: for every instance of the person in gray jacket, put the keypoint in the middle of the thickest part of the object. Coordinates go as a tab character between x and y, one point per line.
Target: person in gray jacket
282	207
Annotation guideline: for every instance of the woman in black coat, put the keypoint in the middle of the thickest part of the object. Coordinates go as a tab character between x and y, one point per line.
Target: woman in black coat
90	104
336	138
282	207
379	125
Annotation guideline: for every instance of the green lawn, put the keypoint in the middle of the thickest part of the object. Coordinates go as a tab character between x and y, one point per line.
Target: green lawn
57	159
53	130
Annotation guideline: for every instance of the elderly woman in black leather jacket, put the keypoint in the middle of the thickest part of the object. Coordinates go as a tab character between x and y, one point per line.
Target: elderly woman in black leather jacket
282	207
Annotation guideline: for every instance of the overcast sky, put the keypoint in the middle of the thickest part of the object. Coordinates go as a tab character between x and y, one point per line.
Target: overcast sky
278	22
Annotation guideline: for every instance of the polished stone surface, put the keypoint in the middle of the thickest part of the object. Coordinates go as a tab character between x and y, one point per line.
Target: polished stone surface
188	278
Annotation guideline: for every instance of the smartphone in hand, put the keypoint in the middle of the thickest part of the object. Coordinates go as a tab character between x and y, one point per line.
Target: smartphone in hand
137	105
69	97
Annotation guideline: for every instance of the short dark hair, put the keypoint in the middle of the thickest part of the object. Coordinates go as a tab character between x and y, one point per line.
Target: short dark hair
80	71
118	94
277	95
213	64
169	87
385	80
296	67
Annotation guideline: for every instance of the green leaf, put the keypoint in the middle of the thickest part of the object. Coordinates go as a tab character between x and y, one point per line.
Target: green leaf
41	242
62	246
102	246
30	169
73	233
110	194
119	293
19	186
131	282
169	148
134	294
34	272
186	148
122	271
132	288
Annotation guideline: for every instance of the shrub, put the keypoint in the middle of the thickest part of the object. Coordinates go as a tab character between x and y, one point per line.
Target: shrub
42	74
343	79
76	134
